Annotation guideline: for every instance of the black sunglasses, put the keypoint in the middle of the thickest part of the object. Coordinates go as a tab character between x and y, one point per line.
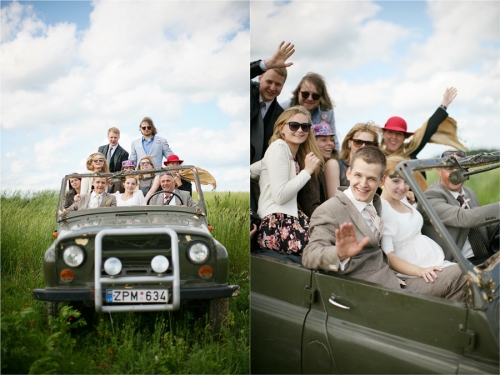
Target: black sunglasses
459	153
146	127
360	142
294	126
305	95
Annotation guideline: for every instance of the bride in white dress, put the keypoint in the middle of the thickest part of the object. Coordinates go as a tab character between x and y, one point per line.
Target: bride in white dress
410	253
131	197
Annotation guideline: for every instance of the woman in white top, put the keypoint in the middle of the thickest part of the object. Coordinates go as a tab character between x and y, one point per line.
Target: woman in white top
283	227
131	197
410	253
96	162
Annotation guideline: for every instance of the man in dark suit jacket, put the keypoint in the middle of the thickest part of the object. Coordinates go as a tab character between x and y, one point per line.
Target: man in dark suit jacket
117	155
272	76
457	218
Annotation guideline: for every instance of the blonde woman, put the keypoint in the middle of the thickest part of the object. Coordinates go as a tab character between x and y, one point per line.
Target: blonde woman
290	160
361	134
96	162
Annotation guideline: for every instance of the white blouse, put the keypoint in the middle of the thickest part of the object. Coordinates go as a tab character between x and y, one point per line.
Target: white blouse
136	200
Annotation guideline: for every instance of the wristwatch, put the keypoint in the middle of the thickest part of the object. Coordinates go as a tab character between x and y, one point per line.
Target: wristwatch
443	106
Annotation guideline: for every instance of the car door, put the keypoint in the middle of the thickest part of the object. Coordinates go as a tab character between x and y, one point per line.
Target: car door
390	331
279	305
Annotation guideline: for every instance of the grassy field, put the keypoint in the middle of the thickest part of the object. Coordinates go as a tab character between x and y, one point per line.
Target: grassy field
145	343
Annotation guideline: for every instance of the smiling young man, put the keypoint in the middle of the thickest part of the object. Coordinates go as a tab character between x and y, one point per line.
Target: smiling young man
345	233
115	154
97	198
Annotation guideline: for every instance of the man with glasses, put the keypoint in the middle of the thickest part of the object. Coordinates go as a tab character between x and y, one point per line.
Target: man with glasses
468	223
149	144
264	108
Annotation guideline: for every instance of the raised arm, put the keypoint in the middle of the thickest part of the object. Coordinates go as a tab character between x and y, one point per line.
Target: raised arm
278	60
332	176
437	118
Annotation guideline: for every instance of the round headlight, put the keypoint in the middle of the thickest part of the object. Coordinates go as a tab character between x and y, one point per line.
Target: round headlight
73	255
198	252
159	264
112	266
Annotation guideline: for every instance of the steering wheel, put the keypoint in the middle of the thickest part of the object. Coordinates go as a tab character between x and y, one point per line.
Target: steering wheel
165	191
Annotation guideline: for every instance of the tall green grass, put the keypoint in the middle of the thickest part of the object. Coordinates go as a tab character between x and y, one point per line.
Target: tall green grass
177	342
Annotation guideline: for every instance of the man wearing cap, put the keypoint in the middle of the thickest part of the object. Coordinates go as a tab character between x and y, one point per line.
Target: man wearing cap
264	108
182	184
469	224
149	144
167	199
115	154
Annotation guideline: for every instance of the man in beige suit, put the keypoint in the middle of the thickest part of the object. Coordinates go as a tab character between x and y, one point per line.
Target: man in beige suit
167	183
345	233
97	198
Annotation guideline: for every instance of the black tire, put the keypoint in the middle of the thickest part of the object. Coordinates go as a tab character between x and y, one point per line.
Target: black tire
218	310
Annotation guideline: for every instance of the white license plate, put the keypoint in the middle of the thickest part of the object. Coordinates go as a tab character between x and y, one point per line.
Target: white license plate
137	296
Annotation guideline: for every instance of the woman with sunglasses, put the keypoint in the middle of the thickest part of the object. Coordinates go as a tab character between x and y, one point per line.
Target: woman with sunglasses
361	134
312	94
96	162
148	183
290	160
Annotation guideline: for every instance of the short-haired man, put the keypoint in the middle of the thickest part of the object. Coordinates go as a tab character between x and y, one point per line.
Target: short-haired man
97	198
264	108
167	183
468	223
345	233
149	144
115	154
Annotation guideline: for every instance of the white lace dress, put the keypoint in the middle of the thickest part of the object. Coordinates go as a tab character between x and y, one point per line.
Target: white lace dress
402	235
136	200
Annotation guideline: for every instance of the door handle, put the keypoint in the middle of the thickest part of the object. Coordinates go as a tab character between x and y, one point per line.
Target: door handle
335	303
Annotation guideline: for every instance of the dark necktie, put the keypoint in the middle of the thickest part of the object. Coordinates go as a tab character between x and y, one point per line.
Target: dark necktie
475	239
167	199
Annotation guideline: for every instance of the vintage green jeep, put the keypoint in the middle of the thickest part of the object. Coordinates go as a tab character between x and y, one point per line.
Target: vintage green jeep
137	258
317	322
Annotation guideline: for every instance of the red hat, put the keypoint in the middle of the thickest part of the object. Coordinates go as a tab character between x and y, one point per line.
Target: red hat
172	158
397	124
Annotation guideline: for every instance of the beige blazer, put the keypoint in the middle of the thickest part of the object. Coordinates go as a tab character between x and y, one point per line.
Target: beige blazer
457	220
108	200
321	253
157	200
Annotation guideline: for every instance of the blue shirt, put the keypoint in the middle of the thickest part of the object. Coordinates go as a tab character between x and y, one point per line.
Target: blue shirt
147	145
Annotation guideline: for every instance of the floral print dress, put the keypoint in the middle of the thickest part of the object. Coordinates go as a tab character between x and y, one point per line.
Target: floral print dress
284	233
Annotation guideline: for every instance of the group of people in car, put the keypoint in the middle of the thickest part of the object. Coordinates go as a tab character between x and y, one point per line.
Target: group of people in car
146	154
349	210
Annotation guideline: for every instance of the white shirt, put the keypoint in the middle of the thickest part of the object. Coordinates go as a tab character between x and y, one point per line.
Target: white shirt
95	200
360	206
172	201
467	248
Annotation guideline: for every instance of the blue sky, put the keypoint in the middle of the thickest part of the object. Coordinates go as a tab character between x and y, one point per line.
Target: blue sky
66	80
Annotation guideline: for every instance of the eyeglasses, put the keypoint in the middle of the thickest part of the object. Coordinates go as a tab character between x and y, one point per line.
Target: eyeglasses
294	126
360	142
459	153
146	127
98	160
305	95
145	163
